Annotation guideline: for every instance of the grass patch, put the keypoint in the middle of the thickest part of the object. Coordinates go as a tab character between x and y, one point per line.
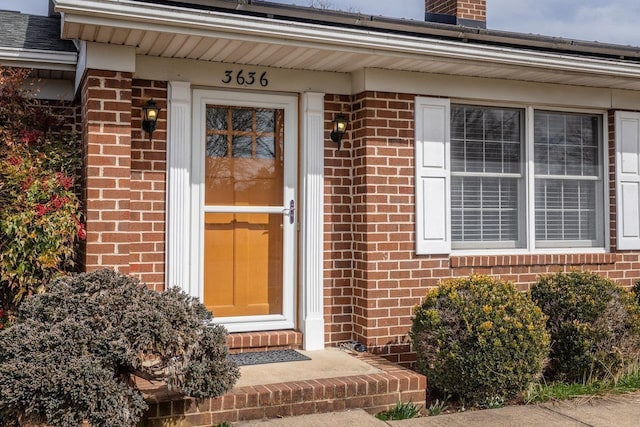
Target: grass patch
543	392
437	407
402	411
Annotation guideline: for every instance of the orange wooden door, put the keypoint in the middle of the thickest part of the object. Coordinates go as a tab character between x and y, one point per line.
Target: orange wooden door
243	245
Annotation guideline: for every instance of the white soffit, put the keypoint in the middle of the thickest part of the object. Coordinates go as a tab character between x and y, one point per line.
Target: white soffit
176	32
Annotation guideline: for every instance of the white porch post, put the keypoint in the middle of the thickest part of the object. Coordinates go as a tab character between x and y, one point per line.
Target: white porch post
177	262
312	241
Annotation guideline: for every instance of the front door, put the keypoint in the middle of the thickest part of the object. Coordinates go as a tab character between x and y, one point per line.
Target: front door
247	154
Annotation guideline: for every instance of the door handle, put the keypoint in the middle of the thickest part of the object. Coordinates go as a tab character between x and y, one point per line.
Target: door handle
291	212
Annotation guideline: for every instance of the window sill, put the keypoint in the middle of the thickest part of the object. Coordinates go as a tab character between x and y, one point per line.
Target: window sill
562	259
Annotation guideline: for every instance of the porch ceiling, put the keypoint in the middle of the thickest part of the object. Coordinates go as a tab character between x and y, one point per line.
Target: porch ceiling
177	32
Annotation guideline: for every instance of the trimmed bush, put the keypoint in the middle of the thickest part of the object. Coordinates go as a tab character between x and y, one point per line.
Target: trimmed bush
75	350
636	290
594	325
479	339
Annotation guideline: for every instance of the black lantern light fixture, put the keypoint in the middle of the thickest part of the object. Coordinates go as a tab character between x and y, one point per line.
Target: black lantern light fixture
150	113
339	128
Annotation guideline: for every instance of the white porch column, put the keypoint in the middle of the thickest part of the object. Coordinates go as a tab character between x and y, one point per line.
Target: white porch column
312	241
177	262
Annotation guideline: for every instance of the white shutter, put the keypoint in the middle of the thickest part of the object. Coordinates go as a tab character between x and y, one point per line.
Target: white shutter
433	179
628	179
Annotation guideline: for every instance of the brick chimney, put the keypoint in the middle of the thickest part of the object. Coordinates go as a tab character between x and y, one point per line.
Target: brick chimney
470	13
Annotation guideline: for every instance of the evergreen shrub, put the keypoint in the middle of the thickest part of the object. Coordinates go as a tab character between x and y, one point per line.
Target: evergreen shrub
75	350
479	339
636	290
594	325
40	219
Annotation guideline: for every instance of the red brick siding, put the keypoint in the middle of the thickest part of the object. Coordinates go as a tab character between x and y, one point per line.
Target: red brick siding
372	276
66	111
261	341
445	7
466	9
388	278
148	186
124	176
338	232
106	124
383	218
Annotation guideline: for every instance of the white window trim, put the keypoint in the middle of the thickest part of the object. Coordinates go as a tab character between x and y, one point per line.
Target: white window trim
603	204
522	200
601	208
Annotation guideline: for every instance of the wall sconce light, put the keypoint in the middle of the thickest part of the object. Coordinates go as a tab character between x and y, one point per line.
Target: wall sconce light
339	128
150	113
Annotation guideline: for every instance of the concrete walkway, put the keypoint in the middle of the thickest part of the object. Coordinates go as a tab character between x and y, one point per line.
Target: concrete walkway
619	411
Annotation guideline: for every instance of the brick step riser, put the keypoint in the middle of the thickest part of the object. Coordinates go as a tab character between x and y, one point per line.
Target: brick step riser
371	392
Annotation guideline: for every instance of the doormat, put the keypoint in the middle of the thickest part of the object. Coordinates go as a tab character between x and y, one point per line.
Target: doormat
272	356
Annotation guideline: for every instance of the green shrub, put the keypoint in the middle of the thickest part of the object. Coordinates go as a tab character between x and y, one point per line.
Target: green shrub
40	223
74	351
636	290
594	325
479	339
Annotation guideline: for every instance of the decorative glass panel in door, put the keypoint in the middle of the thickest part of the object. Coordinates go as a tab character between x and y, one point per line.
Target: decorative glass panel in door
244	222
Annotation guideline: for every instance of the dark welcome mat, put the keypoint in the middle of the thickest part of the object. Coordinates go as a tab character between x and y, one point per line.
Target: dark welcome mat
273	356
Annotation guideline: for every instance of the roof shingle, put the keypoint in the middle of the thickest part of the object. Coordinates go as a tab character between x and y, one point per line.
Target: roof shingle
31	32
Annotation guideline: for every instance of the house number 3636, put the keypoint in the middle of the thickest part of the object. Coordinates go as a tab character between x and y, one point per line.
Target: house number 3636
243	78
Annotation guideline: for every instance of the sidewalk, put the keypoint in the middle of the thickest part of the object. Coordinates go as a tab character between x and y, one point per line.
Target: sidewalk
619	411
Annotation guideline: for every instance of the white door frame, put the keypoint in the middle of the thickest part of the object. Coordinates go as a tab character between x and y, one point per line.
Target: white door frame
180	271
288	103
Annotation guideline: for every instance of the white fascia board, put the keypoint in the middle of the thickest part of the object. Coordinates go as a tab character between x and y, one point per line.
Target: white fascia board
625	99
40	59
479	89
200	73
101	56
161	18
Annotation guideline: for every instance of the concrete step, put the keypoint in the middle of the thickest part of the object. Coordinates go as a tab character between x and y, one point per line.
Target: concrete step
332	381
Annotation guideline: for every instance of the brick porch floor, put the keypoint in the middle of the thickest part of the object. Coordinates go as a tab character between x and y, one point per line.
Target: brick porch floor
372	392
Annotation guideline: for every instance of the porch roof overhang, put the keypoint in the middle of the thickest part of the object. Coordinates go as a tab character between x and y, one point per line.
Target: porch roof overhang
262	35
31	41
39	59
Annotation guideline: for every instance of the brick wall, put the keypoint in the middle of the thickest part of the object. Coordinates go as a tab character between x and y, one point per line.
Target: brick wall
388	277
148	178
383	219
106	124
124	176
465	9
445	7
67	111
372	276
338	249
